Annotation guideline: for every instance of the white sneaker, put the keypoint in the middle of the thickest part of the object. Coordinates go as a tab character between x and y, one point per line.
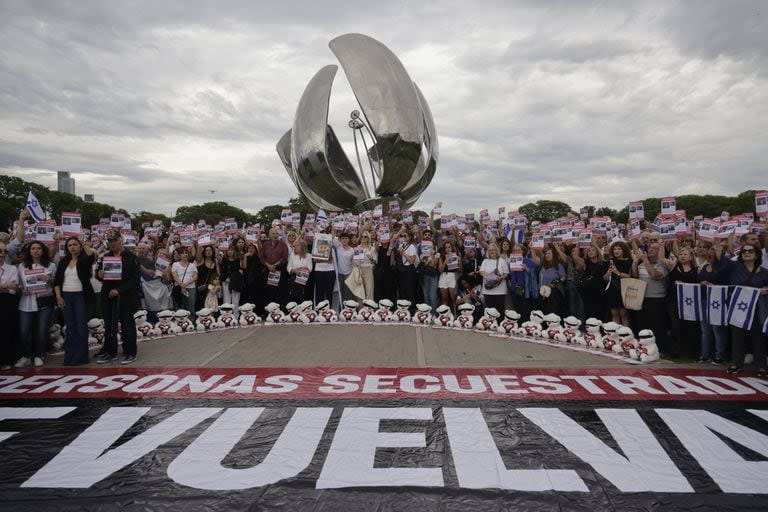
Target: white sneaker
38	361
22	362
5	367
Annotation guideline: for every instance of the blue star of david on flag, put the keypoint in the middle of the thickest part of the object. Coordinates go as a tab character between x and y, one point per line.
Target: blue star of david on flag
715	304
689	301
743	306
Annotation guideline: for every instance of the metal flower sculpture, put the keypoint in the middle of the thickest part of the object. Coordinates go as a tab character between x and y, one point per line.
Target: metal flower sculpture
401	146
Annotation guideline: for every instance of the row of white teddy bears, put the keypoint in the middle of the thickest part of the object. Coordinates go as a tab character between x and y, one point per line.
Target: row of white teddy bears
608	337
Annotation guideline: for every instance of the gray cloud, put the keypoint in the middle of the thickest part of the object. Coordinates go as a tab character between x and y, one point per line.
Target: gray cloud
153	104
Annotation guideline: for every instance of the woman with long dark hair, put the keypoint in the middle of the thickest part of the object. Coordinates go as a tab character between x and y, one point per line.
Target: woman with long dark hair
619	267
37	303
746	271
207	269
74	291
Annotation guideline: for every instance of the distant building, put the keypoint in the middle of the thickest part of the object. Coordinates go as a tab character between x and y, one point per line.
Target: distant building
88	198
66	183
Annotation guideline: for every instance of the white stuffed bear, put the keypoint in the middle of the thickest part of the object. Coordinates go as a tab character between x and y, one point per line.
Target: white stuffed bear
444	317
182	321
489	322
293	315
465	320
552	327
227	318
349	311
533	326
570	331
610	338
248	318
508	326
325	314
592	337
274	314
423	314
367	310
308	315
402	314
647	351
165	325
626	342
144	329
96	332
382	314
55	340
205	320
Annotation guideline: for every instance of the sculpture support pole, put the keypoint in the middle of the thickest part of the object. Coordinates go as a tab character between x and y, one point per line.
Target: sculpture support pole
370	161
360	163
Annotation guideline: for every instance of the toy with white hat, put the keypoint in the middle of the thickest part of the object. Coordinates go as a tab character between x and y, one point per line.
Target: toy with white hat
308	315
325	314
349	311
509	325
55	340
570	330
165	325
144	329
227	318
293	313
489	322
443	317
533	327
205	320
647	351
382	313
247	317
591	337
552	327
274	314
423	314
96	332
610	336
402	314
182	321
465	320
627	341
367	310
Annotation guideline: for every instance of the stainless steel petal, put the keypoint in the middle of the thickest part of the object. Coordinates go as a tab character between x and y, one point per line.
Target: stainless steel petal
333	180
389	103
284	152
425	171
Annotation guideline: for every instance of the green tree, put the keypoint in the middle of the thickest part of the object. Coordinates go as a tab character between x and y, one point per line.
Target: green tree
604	211
265	216
212	213
545	210
137	219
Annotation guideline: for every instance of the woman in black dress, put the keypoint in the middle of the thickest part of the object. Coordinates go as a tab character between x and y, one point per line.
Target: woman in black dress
619	267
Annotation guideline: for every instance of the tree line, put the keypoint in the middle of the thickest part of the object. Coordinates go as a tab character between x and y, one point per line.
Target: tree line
13	197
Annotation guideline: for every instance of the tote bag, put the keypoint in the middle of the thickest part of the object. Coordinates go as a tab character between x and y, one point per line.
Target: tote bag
632	293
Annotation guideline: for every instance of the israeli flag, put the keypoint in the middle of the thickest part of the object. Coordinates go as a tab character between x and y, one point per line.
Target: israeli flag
321	218
508	231
717	304
34	208
743	305
689	301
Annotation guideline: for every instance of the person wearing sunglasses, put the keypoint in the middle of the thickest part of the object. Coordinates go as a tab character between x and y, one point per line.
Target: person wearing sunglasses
747	271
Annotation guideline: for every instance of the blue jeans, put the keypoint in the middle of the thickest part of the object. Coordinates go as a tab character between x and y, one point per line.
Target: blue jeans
575	301
33	331
716	335
76	320
429	289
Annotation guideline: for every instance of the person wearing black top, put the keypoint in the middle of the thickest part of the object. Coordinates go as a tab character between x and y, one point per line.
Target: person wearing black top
591	285
119	302
685	333
73	289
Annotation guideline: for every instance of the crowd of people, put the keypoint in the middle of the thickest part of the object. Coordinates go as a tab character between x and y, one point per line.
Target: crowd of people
96	275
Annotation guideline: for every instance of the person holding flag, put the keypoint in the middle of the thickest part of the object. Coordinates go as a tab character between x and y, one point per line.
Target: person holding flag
714	322
748	305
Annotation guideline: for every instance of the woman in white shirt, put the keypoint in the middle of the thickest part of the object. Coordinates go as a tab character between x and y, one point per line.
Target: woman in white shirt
9	310
185	275
36	304
494	270
73	292
300	271
406	250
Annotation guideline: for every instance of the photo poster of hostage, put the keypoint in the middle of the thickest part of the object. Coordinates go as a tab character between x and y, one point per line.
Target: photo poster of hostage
383	439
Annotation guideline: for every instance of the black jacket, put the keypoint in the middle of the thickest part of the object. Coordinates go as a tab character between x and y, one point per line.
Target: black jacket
84	266
128	285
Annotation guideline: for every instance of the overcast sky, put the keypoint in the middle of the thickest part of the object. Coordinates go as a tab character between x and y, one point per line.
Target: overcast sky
151	105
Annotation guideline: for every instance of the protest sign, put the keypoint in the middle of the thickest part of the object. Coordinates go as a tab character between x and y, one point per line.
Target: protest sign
71	223
668	205
636	210
113	268
321	246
